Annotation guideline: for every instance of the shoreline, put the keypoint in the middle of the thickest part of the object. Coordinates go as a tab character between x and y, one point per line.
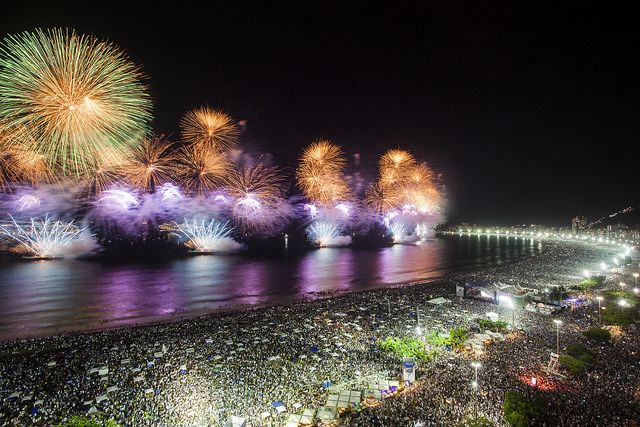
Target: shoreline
208	314
88	327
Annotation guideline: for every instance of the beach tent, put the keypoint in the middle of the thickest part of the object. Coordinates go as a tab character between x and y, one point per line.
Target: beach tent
236	422
279	405
439	301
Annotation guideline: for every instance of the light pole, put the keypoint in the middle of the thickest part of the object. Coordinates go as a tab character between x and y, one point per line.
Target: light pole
599	298
557	322
635	278
622	285
475	365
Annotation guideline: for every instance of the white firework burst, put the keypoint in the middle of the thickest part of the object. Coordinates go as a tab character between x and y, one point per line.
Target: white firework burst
323	234
204	236
43	238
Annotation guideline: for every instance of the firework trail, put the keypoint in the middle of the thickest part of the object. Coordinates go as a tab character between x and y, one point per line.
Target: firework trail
208	128
44	238
151	164
206	237
71	98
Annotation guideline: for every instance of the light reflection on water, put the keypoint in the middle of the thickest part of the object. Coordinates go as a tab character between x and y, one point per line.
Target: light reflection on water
42	297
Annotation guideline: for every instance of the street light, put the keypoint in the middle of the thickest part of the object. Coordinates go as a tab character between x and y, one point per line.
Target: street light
474	384
622	285
635	278
599	298
623	303
557	322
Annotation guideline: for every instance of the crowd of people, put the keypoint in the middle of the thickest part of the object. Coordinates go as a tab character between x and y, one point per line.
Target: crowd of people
255	363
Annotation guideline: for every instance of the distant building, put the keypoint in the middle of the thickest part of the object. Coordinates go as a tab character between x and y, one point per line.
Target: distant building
578	223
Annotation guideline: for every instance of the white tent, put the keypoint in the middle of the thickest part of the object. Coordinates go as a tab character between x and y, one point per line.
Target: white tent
236	422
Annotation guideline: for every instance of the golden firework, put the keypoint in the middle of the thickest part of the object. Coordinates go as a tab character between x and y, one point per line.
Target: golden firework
8	169
71	98
32	167
257	192
320	173
209	128
382	199
202	169
395	167
151	164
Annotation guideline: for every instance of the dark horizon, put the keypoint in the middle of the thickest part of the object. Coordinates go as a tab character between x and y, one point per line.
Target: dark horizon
529	113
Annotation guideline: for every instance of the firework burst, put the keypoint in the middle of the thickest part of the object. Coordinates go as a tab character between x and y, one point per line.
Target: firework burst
257	192
320	173
43	238
118	199
151	164
202	170
203	236
323	234
395	167
382	199
71	98
209	128
8	170
398	232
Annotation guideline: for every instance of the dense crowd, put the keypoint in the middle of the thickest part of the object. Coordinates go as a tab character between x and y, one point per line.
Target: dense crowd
202	371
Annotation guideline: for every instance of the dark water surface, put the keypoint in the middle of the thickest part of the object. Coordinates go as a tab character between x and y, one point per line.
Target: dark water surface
46	297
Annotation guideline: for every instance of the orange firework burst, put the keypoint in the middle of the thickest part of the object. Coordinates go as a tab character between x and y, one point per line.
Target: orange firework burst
404	183
32	166
151	164
8	169
75	96
209	128
395	167
320	173
421	175
26	166
102	178
202	169
382	199
257	192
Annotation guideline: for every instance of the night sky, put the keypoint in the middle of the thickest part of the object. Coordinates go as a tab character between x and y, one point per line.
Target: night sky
530	114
